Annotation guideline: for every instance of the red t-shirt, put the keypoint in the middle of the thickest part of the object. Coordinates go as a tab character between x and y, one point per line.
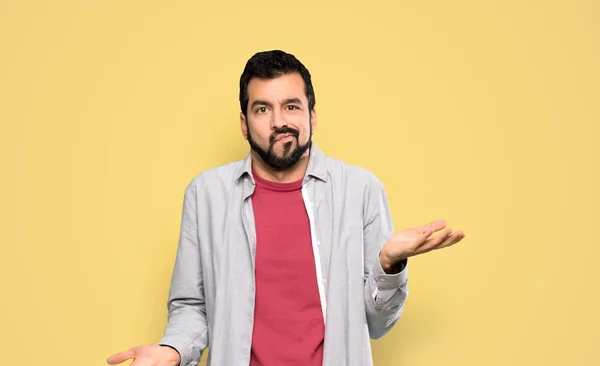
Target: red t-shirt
288	320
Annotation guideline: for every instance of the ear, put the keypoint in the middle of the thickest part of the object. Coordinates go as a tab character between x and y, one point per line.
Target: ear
244	126
313	120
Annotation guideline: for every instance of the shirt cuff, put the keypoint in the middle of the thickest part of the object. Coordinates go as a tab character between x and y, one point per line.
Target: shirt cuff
177	346
390	281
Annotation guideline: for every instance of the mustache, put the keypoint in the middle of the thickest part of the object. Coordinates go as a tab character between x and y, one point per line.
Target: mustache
282	130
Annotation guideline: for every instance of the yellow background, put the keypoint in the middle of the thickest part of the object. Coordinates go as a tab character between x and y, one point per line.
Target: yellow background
483	113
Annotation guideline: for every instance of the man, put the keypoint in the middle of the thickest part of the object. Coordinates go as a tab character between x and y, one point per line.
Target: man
287	257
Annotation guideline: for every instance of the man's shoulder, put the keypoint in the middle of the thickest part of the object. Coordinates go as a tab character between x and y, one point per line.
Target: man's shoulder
218	176
351	173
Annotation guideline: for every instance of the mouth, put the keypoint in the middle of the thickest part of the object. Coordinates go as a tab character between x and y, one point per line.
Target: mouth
284	137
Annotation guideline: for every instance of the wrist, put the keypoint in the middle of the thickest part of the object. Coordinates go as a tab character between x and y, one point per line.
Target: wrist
174	353
388	264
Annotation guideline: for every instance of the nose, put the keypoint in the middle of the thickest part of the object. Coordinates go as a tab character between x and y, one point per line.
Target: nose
278	120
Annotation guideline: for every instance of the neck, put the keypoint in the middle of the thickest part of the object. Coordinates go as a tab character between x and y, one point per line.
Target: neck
292	174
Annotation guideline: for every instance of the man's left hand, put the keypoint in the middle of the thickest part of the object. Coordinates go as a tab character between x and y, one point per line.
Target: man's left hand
415	241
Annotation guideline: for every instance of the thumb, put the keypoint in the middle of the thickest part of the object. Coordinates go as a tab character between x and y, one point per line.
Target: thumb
120	357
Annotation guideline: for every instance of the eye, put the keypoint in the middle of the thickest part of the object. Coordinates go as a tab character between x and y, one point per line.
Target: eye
292	107
261	110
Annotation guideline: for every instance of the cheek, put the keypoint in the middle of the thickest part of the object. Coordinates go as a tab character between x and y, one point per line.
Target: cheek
258	129
306	131
260	135
301	123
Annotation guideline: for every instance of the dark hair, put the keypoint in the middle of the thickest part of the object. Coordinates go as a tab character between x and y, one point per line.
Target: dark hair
270	65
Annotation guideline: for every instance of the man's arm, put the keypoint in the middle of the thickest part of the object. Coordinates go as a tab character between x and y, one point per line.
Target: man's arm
187	330
385	290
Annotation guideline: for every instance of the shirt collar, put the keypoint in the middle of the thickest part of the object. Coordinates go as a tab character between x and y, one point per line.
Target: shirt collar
317	165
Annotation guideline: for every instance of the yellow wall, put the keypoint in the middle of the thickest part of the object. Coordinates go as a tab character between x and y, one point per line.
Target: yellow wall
483	113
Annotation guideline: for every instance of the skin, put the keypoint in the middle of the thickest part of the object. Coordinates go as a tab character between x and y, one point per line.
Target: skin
274	104
147	355
414	241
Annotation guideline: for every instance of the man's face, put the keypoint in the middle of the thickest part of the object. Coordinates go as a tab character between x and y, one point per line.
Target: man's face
279	125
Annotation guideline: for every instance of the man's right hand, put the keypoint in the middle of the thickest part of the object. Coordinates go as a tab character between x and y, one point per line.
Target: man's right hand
147	355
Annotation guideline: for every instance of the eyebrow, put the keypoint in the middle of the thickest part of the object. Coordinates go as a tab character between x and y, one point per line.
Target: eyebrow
268	104
292	101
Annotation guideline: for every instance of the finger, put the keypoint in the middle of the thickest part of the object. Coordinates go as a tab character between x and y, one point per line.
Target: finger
425	234
435	225
120	357
434	242
453	239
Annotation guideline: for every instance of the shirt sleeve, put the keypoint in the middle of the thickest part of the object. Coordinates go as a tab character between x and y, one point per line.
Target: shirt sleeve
186	329
385	294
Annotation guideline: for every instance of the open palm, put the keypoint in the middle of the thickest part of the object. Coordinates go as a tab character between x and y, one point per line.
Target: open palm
418	240
147	355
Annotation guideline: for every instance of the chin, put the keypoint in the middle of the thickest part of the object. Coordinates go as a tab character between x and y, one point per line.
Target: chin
290	145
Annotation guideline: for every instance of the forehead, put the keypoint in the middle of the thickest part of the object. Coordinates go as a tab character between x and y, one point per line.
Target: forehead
283	87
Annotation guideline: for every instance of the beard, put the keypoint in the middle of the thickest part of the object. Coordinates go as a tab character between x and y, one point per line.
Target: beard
289	157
